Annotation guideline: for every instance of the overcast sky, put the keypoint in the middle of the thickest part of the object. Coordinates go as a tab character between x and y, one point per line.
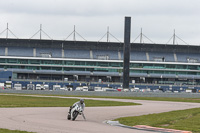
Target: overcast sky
157	18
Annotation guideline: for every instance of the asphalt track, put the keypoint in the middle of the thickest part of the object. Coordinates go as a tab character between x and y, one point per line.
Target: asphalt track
54	119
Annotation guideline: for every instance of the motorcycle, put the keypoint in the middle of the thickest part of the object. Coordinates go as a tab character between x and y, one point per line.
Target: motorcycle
74	112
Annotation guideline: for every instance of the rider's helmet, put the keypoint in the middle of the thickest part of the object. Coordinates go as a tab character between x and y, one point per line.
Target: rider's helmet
81	101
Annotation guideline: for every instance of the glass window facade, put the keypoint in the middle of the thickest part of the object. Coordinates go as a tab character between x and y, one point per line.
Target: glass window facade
101	66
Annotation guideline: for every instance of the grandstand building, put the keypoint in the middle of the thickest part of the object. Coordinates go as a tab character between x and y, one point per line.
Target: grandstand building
31	60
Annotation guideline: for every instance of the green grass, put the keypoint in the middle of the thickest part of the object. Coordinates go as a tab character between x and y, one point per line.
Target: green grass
172	99
12	131
182	120
28	101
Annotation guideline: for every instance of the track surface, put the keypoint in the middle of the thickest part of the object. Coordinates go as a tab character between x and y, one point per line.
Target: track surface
54	119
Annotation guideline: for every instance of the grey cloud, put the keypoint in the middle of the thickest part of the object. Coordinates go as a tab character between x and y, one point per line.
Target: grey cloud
101	7
158	18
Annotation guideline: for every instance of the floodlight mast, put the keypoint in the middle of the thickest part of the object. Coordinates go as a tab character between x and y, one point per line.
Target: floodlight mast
7	31
127	35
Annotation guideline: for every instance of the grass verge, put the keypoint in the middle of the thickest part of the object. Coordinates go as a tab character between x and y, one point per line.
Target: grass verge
28	101
188	120
172	99
12	131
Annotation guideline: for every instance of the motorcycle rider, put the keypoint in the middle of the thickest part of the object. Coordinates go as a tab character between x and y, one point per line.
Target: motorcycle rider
81	104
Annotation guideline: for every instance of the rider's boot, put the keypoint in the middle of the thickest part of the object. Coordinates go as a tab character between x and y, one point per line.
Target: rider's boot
69	114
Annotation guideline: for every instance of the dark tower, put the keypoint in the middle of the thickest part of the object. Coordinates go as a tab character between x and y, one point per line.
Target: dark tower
127	35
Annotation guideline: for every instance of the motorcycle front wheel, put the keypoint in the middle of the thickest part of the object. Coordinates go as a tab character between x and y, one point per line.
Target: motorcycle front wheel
75	114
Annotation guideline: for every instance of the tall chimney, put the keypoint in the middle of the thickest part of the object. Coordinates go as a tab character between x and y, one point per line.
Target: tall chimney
127	35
